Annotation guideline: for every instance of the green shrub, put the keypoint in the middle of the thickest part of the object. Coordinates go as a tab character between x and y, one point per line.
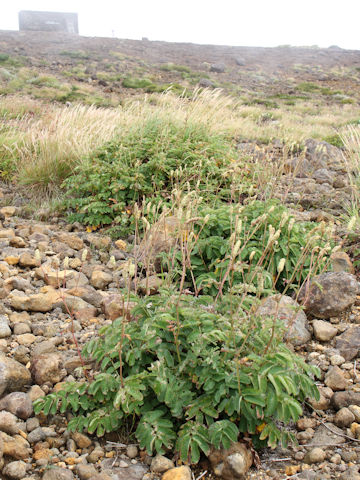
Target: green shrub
191	378
257	268
335	140
45	81
308	87
285	96
328	91
76	54
130	82
16	62
175	88
172	67
149	162
347	101
262	101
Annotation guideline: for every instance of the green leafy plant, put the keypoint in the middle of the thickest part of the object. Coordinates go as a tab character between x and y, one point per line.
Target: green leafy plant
150	161
303	247
191	376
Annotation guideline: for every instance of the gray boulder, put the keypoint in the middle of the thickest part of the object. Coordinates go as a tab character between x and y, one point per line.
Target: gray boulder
13	375
329	294
348	343
324	331
217	68
5	330
206	83
18	403
15	470
323	175
47	368
290	313
58	473
240	61
328	434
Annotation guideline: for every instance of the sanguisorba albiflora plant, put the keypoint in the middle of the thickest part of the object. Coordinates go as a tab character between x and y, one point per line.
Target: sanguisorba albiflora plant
189	387
262	234
199	370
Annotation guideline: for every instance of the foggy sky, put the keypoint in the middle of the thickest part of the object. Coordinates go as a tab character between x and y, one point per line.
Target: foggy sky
230	22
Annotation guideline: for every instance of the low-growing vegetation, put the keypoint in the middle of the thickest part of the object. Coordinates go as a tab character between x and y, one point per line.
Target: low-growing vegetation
65	129
191	178
150	161
267	235
76	54
194	367
191	376
350	139
171	67
131	82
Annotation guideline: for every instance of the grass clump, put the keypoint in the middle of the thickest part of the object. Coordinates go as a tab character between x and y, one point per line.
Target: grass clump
8	146
18	108
12	62
351	140
53	145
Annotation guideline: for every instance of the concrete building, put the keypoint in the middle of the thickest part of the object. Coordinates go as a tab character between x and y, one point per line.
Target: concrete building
48	21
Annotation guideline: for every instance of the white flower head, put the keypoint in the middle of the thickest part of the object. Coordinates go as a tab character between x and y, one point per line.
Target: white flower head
281	265
236	248
291	224
131	269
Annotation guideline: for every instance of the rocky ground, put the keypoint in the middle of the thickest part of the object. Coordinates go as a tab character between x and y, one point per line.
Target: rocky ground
316	179
250	70
38	352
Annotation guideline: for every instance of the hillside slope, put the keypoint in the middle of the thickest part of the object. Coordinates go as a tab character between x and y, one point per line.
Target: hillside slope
110	66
